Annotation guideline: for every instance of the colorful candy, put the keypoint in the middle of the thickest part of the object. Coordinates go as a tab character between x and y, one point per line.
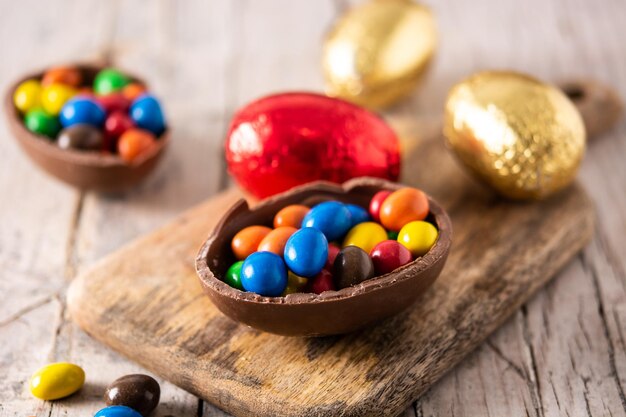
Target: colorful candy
403	206
54	97
57	380
291	216
331	217
82	110
264	273
322	282
27	96
247	240
116	124
117	411
147	114
109	80
275	240
133	143
133	90
69	76
418	237
40	122
352	266
115	102
376	202
81	136
389	255
306	252
233	275
137	391
365	236
295	283
333	251
358	214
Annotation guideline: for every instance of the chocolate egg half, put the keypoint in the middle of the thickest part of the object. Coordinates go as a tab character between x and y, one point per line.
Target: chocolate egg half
522	137
284	140
377	52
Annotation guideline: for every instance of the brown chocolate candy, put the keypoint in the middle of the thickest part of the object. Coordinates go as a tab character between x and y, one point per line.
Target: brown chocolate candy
137	391
81	136
352	266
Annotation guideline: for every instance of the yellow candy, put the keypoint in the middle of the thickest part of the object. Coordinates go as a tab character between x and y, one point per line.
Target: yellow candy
27	95
365	235
54	97
418	237
57	380
295	283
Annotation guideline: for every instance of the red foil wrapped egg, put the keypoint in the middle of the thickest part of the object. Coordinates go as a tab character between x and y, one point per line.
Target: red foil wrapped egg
284	140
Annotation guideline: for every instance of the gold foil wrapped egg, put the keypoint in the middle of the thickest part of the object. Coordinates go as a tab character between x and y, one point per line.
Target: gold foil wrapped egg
522	137
378	51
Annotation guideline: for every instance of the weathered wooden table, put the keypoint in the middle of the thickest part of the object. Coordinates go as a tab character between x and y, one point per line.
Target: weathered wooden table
564	353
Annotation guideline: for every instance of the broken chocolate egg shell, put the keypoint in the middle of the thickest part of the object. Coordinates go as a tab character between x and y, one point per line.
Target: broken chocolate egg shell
94	171
332	312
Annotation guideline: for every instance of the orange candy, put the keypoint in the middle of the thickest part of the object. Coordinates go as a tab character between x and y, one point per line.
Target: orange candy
133	143
275	240
403	206
247	240
62	75
133	90
291	216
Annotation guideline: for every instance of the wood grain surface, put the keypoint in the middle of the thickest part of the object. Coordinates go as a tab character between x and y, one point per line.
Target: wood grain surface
562	353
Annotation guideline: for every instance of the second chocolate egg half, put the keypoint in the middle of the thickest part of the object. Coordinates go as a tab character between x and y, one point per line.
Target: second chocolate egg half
378	51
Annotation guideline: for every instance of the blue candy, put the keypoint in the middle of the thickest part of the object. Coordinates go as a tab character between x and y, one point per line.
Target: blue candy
306	252
358	213
264	273
117	411
147	114
82	110
330	217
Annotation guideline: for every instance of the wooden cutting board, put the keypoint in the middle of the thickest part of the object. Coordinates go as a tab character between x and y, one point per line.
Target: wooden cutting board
146	302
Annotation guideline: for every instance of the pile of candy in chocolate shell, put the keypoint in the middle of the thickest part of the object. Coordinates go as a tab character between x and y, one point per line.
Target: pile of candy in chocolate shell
331	245
113	115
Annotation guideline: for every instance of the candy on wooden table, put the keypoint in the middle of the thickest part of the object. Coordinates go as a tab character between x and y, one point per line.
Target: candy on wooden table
291	215
264	273
389	255
109	80
418	237
358	214
352	266
117	411
233	275
376	202
114	102
54	97
27	96
322	282
275	240
295	283
70	76
133	143
247	240
331	217
147	114
133	90
57	380
137	391
306	252
82	110
42	123
365	236
403	206
333	250
81	136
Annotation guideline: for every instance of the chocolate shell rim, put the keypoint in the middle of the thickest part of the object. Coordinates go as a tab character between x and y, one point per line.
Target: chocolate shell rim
439	250
46	146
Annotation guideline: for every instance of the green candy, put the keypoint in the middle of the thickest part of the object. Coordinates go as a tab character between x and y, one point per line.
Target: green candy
109	80
392	235
40	122
233	275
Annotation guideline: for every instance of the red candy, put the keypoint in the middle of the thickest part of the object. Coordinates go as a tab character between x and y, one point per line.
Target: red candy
115	126
289	139
389	255
333	251
376	203
322	282
115	102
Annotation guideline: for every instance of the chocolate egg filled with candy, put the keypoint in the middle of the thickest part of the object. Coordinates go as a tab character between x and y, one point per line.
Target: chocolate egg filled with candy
284	140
